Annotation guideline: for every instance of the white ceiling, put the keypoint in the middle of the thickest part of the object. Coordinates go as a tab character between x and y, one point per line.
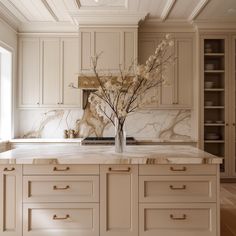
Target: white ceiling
35	13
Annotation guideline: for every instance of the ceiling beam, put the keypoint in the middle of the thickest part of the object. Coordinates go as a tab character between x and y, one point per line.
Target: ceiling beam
45	3
198	9
167	9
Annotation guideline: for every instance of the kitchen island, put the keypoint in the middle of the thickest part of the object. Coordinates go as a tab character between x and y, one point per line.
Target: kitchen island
91	191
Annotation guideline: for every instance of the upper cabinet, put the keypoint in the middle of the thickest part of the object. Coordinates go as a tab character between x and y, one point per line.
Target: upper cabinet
117	48
46	68
177	92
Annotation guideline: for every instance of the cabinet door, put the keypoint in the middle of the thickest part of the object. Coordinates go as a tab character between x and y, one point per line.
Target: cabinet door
70	69
29	60
10	200
183	73
50	48
119	200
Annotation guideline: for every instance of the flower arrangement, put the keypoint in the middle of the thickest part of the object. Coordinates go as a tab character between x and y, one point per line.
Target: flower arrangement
118	96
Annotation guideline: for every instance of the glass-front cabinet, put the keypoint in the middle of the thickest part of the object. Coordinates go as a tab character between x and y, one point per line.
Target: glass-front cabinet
214	102
218	99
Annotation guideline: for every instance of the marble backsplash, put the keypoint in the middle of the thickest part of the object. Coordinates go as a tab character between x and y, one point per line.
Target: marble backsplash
143	124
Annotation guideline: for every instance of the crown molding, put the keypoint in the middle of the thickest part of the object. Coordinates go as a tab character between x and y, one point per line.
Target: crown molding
48	27
157	25
85	18
215	25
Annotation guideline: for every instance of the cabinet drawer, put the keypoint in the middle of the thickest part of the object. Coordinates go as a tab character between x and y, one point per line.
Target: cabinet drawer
67	219
61	188
177	169
61	169
177	189
177	219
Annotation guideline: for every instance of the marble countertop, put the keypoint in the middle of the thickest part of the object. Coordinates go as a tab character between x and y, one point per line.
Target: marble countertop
136	154
78	140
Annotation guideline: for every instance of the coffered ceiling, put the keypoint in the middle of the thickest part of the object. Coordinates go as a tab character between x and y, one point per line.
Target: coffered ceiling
68	14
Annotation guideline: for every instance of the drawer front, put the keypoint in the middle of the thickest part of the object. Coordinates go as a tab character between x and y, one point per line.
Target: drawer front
67	219
177	169
61	170
177	189
177	219
61	188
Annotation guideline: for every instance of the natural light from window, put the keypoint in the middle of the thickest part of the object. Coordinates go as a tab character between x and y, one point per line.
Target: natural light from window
5	94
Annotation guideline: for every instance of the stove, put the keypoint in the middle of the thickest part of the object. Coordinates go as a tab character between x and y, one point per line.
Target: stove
106	141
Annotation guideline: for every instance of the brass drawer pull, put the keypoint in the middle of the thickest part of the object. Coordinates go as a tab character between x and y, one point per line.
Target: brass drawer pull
63	188
182	169
121	170
57	169
11	169
55	217
178	188
184	217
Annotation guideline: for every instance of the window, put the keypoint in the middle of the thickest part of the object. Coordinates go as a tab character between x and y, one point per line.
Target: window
5	94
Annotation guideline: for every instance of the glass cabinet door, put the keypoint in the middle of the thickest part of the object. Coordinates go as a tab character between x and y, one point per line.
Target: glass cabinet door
234	106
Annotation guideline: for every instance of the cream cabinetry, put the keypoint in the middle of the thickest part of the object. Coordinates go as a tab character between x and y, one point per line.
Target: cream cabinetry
117	48
119	200
172	203
66	198
11	200
177	92
218	98
109	200
46	68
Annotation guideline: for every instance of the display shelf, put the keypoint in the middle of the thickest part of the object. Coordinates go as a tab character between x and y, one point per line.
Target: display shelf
214	54
213	124
214	107
214	89
213	141
214	71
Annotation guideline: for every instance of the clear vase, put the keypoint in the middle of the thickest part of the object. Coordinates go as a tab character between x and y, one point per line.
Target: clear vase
120	136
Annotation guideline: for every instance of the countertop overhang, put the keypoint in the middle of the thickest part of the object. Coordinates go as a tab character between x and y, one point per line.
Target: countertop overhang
161	154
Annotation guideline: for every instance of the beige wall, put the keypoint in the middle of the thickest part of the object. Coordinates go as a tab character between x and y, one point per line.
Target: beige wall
8	40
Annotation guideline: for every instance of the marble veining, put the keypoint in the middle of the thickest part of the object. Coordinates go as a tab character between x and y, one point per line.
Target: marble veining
143	124
161	154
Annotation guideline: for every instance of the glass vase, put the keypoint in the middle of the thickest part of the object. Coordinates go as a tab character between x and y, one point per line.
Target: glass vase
120	136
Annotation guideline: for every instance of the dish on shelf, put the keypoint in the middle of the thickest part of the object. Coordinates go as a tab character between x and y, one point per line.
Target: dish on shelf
219	122
209	103
212	136
208	121
209	66
209	84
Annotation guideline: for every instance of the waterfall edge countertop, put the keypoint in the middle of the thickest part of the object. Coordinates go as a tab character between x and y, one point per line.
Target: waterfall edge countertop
137	154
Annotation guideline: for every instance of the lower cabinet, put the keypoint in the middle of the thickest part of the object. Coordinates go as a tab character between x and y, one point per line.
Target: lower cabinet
11	200
109	200
119	200
67	219
177	219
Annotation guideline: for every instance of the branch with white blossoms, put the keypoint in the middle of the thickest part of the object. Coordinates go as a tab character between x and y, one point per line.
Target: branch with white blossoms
117	96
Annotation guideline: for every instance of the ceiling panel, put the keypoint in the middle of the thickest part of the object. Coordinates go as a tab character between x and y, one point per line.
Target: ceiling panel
103	4
183	9
219	9
154	7
33	10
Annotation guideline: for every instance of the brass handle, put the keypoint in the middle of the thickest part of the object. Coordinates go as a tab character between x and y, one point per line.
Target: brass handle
184	217
57	169
227	124
11	169
178	188
55	217
233	124
121	170
182	169
59	188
